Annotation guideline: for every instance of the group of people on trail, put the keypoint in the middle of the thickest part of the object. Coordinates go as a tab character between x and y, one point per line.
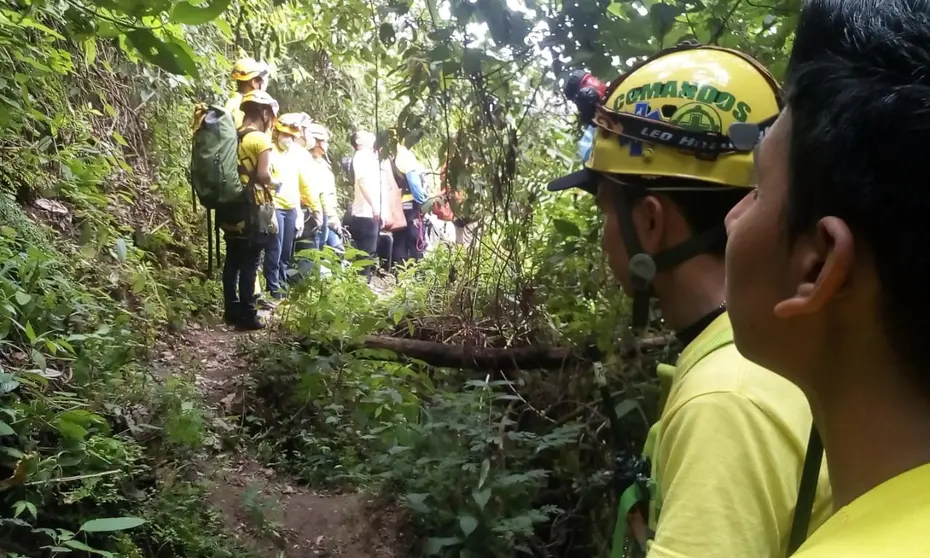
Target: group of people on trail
784	233
388	197
285	200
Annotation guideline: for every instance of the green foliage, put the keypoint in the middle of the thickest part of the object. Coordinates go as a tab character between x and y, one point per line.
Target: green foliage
97	98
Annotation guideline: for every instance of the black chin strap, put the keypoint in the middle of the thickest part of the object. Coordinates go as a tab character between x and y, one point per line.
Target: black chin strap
644	267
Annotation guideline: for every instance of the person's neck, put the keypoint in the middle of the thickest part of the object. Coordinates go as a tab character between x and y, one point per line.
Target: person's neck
874	424
691	291
256	125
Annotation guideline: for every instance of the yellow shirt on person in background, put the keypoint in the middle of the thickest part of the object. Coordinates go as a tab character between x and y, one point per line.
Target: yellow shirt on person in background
727	456
232	106
290	170
889	521
325	186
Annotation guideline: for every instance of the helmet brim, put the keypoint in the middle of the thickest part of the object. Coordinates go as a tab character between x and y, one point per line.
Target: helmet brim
584	179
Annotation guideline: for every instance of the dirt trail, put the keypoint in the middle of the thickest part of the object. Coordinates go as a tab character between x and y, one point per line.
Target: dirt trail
269	513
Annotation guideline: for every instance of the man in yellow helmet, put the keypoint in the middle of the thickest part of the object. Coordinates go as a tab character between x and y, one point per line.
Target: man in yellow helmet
249	75
725	459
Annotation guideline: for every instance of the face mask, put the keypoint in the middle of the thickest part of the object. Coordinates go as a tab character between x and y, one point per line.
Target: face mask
285	143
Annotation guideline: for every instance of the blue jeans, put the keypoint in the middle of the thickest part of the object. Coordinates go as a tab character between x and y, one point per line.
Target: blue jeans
328	237
278	254
239	271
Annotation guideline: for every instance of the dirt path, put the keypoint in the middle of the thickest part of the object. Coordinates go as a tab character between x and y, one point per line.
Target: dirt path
269	513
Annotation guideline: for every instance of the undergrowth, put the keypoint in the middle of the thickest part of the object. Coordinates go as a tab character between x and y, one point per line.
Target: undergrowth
98	255
491	464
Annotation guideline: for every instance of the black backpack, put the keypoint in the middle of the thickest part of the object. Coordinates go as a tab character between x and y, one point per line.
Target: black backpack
348	169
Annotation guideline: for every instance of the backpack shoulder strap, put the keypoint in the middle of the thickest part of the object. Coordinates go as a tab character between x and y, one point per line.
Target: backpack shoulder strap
807	491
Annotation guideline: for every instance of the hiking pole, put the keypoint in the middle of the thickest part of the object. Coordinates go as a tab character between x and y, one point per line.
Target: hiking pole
210	245
216	230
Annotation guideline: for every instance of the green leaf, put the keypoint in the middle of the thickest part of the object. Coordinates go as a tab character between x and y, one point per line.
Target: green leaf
468	524
6	429
30	333
184	56
109	524
434	545
566	228
90	51
485	469
482	497
663	19
39	359
386	33
625	407
70	430
23	298
224	28
158	52
120	139
7	384
188	14
78	545
417	502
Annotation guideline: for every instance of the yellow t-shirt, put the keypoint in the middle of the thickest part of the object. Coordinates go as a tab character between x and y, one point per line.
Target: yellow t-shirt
232	106
889	521
309	195
727	456
324	187
288	171
251	146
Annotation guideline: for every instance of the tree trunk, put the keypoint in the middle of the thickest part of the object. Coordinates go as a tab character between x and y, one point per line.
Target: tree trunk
517	358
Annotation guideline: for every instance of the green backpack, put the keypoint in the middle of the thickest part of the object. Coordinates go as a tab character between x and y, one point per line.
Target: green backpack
215	158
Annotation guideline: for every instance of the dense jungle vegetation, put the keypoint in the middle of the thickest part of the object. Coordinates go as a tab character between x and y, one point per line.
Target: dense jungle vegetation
126	413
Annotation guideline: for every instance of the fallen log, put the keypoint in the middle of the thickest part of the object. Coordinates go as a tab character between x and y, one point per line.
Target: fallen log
513	358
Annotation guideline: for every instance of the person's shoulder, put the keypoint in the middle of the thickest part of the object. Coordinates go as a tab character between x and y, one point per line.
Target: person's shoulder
234	102
725	370
865	528
255	140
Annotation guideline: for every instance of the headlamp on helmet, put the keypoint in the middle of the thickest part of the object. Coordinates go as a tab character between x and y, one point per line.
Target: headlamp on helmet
586	91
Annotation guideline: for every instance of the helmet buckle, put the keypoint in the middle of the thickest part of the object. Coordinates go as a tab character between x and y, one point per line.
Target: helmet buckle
642	271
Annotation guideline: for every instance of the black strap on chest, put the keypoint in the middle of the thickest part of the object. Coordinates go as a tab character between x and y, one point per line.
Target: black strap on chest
807	491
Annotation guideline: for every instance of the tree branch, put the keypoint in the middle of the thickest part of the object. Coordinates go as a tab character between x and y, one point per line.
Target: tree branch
486	358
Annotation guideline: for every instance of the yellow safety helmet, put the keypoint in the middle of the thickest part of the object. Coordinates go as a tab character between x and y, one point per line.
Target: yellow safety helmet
681	115
248	69
260	97
290	123
684	119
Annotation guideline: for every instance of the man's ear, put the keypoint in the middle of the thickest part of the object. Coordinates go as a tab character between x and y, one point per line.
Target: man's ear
649	220
824	259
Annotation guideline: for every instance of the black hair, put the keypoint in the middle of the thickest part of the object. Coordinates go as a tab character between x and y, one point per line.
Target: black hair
254	111
858	92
